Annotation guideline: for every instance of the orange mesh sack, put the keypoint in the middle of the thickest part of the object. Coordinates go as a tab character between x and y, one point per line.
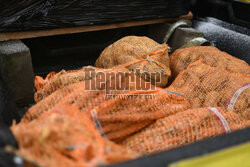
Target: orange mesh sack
55	81
67	137
184	128
119	118
205	86
133	111
87	91
138	53
210	55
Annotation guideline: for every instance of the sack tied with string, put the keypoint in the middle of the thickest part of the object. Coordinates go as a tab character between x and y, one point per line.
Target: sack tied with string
140	54
105	82
136	107
120	118
210	55
132	112
64	137
184	128
205	86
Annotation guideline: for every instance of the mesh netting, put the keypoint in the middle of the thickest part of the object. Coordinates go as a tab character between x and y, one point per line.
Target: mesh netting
134	114
205	86
130	113
130	109
65	136
211	56
142	53
184	128
84	91
80	113
55	81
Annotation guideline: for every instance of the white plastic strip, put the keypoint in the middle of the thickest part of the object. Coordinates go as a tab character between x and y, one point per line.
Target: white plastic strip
221	118
97	122
235	96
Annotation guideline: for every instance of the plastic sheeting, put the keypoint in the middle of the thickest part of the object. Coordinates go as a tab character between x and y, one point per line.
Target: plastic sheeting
22	15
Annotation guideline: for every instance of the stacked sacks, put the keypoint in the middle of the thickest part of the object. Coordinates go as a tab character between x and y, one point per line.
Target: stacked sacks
205	86
67	137
79	114
184	128
133	110
131	52
140	53
210	55
103	82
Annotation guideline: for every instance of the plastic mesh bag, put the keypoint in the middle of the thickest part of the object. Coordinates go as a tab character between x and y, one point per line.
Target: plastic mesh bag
55	81
184	128
105	81
138	53
130	109
210	55
205	86
131	115
133	111
65	136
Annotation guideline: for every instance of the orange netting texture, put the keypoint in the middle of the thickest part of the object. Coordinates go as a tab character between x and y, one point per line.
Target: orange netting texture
211	56
184	128
65	136
94	116
131	113
140	53
134	114
205	86
62	89
55	81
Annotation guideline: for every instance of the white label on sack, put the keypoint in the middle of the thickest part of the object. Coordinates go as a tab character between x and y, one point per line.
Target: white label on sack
236	95
221	118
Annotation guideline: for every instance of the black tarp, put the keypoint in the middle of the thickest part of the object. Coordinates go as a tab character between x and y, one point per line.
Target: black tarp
22	15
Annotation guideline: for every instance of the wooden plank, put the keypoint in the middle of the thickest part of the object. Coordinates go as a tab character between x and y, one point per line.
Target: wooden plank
71	30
